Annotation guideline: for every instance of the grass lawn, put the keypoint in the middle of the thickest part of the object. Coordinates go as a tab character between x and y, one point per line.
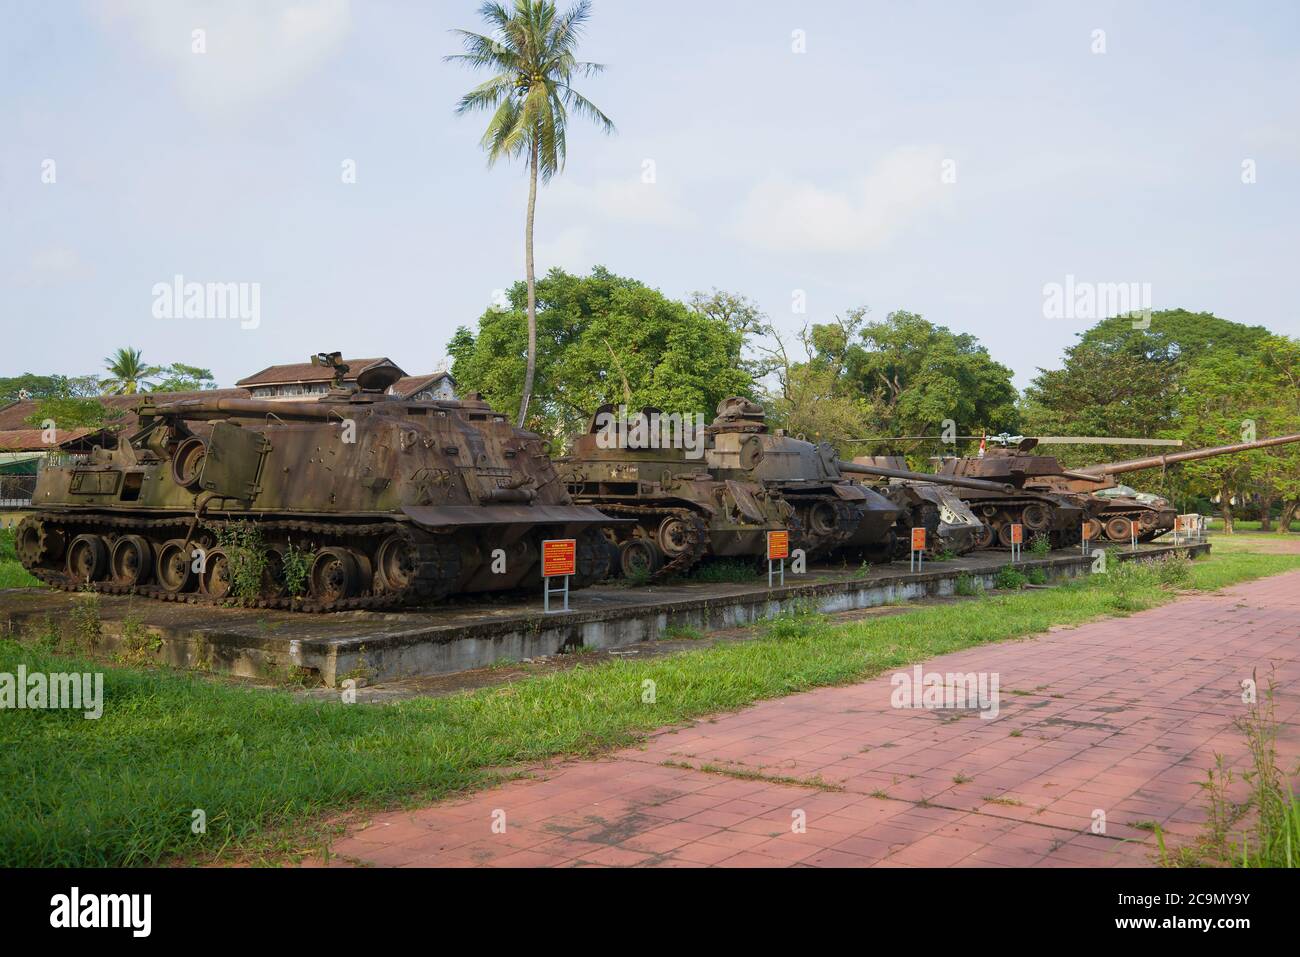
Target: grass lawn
260	764
12	573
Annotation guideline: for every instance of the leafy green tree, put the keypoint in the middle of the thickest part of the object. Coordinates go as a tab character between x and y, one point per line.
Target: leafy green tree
915	374
603	338
531	52
179	377
72	412
128	373
1122	381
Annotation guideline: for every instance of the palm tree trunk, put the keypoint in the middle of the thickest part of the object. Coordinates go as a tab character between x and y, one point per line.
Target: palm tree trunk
532	288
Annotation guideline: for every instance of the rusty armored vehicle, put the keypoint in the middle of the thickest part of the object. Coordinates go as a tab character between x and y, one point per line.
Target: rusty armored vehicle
836	513
679	512
358	500
950	524
1056	501
1118	510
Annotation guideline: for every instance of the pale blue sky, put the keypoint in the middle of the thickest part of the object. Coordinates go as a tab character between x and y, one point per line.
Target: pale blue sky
775	171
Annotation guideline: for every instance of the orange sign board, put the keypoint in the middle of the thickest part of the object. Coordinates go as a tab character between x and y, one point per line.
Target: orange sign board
1017	534
559	557
778	545
1179	523
918	539
1089	531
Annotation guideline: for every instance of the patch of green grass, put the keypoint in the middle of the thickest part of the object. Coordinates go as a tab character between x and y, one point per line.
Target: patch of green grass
12	573
967	586
1037	576
122	790
1010	578
682	633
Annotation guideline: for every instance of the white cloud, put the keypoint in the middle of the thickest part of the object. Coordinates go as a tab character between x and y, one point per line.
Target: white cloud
569	249
786	215
623	201
54	265
253	48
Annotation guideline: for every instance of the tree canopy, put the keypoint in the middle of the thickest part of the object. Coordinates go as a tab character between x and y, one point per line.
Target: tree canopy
601	338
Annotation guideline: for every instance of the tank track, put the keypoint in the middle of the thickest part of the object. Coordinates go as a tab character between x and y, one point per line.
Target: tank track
698	533
435	575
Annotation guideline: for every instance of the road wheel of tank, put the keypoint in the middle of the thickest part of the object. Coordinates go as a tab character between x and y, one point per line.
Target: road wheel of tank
1147	520
334	575
216	580
592	560
674	536
175	568
821	520
396	563
1004	534
1035	517
1117	529
639	558
87	558
131	561
37	543
187	461
984	537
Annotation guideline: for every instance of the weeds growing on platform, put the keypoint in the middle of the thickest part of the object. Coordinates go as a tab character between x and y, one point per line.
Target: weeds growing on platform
123	789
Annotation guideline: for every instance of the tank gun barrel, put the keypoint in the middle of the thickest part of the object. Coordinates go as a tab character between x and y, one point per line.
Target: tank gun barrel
223	408
879	470
1160	461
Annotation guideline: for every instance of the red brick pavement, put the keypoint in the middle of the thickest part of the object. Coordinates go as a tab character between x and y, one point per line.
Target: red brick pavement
1123	716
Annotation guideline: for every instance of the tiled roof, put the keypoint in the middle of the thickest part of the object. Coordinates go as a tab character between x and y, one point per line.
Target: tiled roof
411	384
297	373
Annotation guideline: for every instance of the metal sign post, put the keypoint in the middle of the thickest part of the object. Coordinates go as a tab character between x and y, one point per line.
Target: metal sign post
1133	534
559	560
916	557
1017	540
778	550
1178	527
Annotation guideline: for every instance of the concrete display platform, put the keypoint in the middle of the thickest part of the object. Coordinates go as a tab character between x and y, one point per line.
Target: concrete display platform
382	646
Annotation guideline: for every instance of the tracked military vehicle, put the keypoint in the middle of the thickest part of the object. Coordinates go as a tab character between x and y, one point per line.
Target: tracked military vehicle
1119	511
836	514
358	500
1055	501
950	524
680	513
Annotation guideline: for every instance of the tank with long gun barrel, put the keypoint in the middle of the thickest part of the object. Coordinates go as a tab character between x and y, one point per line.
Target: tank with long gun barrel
1055	501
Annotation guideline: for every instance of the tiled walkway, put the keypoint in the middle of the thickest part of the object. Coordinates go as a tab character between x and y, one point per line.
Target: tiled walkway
1122	717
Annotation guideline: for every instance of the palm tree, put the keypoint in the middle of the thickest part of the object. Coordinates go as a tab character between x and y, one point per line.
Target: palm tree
128	373
530	51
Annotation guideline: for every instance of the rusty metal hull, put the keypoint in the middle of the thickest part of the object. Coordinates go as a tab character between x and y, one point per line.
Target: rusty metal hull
391	502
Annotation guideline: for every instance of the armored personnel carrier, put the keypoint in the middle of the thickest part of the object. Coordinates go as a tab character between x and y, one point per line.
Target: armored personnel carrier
835	513
1055	501
355	500
680	512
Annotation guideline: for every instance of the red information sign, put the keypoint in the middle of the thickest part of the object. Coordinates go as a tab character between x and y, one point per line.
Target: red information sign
918	539
1089	531
559	557
778	546
1179	523
1017	534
